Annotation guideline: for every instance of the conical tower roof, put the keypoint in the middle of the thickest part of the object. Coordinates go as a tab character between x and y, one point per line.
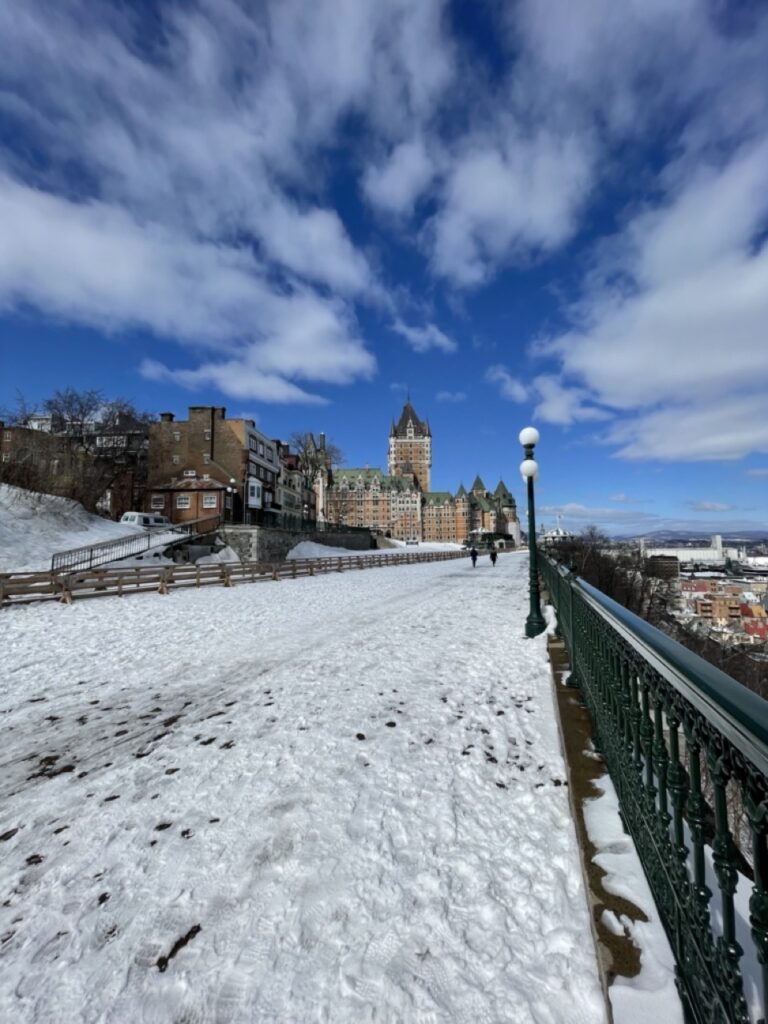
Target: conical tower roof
420	427
461	493
478	485
503	492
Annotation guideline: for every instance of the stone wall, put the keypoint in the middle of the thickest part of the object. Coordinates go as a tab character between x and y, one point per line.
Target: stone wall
256	544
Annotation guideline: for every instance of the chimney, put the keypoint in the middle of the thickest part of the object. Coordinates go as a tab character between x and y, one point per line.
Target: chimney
322	442
166	417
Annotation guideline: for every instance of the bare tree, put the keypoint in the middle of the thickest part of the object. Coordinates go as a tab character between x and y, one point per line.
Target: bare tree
313	457
94	444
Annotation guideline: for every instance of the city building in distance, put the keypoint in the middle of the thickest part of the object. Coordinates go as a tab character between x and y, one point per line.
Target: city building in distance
399	503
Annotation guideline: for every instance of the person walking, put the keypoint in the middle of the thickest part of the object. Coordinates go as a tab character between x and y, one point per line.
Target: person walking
493	556
473	556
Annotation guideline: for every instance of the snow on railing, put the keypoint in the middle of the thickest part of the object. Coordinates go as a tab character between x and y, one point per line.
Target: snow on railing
686	747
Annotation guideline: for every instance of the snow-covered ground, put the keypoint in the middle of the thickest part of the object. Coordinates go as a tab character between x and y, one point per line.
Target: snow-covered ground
311	549
35	526
333	799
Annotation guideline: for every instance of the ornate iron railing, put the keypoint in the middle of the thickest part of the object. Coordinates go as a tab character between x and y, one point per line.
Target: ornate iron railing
687	750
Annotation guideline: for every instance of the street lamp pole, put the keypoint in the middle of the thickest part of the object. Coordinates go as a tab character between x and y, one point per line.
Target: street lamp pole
534	624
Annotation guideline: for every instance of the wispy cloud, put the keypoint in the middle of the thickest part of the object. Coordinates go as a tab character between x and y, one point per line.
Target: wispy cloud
624	499
508	386
709	506
422	339
759	472
451	396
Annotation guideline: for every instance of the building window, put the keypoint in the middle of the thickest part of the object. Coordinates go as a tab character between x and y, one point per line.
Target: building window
182	501
206	459
207	435
6	457
176	435
190	472
210	501
7	435
157	501
175	460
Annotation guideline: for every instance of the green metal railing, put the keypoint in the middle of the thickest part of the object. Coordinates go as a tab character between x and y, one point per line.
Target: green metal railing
686	747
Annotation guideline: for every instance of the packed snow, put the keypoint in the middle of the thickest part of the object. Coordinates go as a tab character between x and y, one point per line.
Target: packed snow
313	549
652	994
339	798
33	527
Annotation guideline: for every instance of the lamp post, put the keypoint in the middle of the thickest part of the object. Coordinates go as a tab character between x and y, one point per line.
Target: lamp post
231	491
534	624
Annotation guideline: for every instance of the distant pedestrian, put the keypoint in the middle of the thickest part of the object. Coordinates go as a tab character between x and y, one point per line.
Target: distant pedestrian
473	556
493	556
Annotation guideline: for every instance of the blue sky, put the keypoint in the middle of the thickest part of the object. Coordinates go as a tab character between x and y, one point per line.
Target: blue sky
539	212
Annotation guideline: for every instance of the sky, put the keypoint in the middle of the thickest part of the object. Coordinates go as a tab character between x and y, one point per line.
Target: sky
518	213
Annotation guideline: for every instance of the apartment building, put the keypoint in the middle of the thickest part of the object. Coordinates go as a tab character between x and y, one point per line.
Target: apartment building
232	462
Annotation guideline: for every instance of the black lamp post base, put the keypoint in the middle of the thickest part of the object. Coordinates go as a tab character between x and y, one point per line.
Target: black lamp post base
534	624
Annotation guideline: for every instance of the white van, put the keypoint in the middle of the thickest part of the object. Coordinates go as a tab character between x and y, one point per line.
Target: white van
149	520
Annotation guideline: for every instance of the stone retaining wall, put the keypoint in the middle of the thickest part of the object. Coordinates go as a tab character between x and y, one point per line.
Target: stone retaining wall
257	544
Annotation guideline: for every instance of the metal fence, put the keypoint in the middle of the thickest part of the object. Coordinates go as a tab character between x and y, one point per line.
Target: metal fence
88	557
687	750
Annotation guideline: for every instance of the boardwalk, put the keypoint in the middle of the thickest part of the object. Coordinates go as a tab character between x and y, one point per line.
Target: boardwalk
331	799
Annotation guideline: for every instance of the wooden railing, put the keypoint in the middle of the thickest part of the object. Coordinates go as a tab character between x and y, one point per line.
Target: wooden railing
18	588
686	747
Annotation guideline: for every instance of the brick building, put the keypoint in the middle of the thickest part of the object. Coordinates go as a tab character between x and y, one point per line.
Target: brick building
250	475
410	447
400	504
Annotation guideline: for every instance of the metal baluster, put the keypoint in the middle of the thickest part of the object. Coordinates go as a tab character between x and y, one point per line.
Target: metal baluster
729	952
646	738
660	759
756	805
697	816
678	786
636	716
626	700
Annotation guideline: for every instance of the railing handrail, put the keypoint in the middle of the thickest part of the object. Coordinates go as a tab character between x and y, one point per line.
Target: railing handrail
685	746
142	539
732	708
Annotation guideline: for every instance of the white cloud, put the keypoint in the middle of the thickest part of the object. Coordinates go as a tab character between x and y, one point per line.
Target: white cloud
188	175
709	506
422	339
509	386
93	263
760	472
681	351
563	405
396	184
724	428
451	396
506	196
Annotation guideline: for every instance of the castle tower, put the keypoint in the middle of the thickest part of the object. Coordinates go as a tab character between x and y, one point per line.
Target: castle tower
410	447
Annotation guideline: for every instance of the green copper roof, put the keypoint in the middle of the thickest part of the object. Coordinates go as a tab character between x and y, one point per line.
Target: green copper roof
478	485
461	493
503	492
438	497
369	476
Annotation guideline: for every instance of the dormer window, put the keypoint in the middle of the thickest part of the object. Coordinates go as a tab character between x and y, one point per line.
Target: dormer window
190	472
